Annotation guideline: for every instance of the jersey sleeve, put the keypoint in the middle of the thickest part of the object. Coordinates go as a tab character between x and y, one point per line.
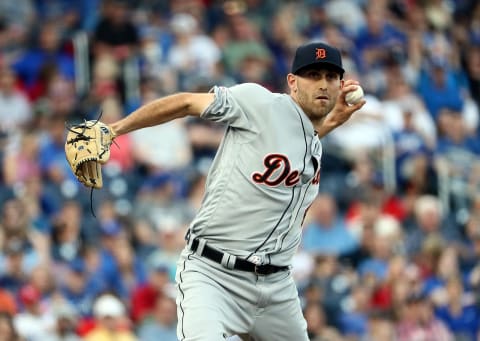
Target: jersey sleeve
226	109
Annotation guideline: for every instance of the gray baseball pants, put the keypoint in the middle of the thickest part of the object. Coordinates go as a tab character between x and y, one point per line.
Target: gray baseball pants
214	302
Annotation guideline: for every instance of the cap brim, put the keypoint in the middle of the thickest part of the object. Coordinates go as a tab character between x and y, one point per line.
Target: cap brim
320	65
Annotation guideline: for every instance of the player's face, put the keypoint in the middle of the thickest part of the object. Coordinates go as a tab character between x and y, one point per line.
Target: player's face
315	91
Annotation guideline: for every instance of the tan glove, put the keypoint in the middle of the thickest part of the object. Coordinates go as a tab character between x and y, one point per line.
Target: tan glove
87	147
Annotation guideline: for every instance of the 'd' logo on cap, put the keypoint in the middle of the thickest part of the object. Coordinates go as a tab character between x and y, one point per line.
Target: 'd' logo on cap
320	53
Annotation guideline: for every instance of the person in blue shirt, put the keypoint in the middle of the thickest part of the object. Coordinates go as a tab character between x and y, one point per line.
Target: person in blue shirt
460	315
353	320
439	87
327	232
79	287
460	154
412	153
377	40
47	53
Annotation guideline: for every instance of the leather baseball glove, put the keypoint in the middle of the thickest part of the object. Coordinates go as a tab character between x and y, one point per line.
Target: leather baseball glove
87	147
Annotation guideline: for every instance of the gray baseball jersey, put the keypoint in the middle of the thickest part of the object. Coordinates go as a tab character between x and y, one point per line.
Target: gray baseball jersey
263	178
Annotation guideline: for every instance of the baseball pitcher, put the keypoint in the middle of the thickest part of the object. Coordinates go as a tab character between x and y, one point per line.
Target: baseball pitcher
234	275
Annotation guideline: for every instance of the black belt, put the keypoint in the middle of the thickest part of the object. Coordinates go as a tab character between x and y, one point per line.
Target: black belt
240	264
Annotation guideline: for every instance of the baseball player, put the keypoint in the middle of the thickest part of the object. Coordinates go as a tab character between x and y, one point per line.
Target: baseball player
234	275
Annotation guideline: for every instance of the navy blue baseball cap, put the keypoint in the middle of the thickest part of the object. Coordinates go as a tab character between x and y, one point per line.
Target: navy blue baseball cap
317	54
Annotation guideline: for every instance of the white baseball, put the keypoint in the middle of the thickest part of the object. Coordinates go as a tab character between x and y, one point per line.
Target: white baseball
355	96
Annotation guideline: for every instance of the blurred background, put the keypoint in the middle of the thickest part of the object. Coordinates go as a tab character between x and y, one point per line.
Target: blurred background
392	243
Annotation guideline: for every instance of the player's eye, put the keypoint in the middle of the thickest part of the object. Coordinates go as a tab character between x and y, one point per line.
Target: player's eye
332	75
313	74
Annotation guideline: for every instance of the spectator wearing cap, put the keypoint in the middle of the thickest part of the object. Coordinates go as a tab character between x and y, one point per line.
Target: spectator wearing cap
79	287
418	322
33	322
110	317
144	296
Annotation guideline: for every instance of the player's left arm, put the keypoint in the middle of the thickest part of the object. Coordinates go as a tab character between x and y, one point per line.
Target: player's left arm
341	112
163	110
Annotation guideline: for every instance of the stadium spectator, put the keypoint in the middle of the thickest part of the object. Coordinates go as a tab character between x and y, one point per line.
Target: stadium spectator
163	323
317	328
327	232
460	312
430	220
40	63
418	321
15	109
111	321
145	295
66	320
114	33
33	322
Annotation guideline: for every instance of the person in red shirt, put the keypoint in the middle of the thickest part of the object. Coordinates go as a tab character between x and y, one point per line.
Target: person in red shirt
144	297
7	302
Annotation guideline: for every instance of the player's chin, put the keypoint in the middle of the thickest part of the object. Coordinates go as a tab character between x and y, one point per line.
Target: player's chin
320	112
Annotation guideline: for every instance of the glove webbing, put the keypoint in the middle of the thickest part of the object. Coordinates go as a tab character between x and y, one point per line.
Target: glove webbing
82	137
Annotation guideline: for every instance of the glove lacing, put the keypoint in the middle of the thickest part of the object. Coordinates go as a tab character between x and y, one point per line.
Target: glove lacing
82	137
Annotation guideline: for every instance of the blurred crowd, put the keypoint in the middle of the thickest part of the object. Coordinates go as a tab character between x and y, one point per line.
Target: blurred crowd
392	243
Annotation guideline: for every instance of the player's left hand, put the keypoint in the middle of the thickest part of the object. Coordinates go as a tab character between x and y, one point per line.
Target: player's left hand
87	147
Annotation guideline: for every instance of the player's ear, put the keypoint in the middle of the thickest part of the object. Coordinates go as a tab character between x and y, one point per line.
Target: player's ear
292	82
